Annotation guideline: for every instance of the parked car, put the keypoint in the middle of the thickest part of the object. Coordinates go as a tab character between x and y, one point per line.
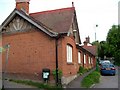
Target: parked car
107	69
103	62
106	61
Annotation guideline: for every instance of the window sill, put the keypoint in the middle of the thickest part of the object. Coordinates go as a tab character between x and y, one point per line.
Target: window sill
70	63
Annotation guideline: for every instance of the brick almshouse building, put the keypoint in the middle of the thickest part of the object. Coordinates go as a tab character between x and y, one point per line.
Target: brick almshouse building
38	39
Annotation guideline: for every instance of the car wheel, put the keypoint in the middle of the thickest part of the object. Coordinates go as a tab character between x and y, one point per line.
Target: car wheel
101	74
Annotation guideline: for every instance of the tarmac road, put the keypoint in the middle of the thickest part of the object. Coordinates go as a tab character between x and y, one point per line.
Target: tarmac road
108	81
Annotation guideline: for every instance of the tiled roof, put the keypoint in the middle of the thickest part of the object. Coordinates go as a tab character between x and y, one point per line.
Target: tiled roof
58	20
91	49
37	21
30	19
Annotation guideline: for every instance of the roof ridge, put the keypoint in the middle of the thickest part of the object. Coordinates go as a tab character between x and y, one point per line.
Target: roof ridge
68	8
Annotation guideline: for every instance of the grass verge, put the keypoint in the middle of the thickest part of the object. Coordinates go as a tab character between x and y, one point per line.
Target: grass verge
37	84
91	79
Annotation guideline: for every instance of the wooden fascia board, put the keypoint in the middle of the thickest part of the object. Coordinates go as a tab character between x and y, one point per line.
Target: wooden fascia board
7	20
76	23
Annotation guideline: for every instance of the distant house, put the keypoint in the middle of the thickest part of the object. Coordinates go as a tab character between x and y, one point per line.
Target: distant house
90	48
42	40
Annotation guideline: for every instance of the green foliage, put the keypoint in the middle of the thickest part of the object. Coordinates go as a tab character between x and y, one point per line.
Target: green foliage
113	40
36	84
82	70
2	49
92	78
110	47
59	73
97	44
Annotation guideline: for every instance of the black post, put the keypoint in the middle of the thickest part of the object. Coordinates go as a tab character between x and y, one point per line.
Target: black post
56	61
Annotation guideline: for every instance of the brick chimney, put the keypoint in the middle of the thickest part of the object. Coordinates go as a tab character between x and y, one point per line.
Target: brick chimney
23	5
85	43
88	39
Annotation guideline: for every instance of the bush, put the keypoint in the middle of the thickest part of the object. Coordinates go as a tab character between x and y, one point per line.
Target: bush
82	70
92	78
59	73
87	82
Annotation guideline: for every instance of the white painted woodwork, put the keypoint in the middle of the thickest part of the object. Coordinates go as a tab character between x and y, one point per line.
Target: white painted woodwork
17	25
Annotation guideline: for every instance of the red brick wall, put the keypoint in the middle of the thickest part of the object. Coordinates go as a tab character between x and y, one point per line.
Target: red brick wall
30	52
69	69
94	62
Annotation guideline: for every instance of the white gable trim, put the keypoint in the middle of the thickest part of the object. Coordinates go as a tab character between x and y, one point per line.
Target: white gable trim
11	16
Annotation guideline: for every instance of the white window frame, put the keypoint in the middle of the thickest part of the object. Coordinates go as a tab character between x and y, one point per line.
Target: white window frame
89	60
84	58
79	57
69	53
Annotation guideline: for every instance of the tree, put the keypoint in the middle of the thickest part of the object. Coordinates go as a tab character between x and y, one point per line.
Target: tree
97	44
113	41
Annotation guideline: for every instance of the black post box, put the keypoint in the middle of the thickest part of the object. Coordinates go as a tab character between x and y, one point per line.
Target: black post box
45	74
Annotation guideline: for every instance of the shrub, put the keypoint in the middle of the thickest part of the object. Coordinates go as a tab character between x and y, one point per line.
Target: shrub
82	70
59	73
92	78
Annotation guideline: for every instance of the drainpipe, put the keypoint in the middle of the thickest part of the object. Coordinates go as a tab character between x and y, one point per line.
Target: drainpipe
56	43
56	46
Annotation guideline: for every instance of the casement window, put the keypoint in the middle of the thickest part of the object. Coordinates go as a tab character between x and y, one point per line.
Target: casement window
69	54
89	59
79	57
84	59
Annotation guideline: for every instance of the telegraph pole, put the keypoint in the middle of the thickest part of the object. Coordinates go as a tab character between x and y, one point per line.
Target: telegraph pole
95	31
6	62
97	49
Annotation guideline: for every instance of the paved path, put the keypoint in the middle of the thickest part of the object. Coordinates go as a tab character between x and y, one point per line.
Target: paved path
8	84
108	81
77	82
119	78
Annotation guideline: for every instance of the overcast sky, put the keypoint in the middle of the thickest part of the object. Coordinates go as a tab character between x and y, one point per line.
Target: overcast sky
104	13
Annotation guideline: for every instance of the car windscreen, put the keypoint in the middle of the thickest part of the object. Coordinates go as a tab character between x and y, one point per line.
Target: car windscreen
107	66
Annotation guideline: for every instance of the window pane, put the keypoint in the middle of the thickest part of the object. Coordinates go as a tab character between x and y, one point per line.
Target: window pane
69	53
84	59
89	60
79	57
